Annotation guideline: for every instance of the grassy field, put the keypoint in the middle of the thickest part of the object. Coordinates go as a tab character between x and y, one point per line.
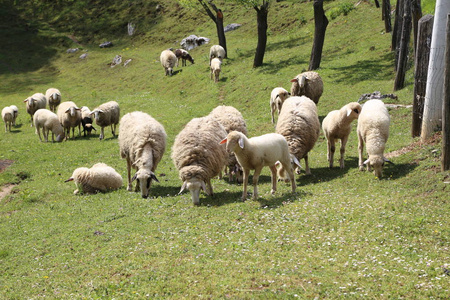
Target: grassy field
344	234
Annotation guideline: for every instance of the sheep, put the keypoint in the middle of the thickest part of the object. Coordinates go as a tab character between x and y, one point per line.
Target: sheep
257	152
86	120
307	84
168	60
107	114
142	142
373	129
215	69
35	102
337	125
299	123
69	116
48	120
53	97
197	155
277	98
183	55
231	119
216	51
16	113
7	117
99	178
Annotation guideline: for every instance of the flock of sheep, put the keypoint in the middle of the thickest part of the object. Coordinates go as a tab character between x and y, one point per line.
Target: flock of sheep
215	143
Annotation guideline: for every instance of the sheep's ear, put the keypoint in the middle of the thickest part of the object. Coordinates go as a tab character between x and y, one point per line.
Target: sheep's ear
182	187
296	162
26	100
277	163
223	141
366	162
94	128
100	111
153	177
134	177
241	143
70	179
277	96
349	111
67	110
202	183
388	161
294	80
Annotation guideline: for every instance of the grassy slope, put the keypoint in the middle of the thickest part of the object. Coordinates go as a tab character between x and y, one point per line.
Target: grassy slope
344	233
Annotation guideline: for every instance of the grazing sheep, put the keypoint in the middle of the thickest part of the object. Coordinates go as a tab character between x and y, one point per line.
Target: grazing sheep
7	117
231	119
216	51
337	125
48	120
69	116
86	120
99	178
277	98
107	114
307	84
168	60
215	69
197	155
299	123
373	129
16	113
142	142
257	152
53	97
35	102
183	55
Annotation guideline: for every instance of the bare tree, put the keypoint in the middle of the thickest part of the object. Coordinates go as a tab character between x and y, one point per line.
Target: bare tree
321	23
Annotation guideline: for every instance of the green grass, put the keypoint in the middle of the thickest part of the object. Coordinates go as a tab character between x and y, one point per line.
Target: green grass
344	234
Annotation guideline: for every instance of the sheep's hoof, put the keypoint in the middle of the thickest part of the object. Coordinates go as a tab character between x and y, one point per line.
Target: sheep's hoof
361	168
129	188
75	192
272	191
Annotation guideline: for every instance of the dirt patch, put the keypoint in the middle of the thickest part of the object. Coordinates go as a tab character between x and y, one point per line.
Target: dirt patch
435	139
6	190
4	163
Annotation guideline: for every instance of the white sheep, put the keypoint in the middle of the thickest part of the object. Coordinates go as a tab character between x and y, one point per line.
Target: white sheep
86	120
48	120
7	117
231	119
307	84
216	51
197	155
35	102
99	178
277	98
16	113
168	60
69	116
299	123
215	69
257	152
373	129
337	125
107	114
142	142
53	97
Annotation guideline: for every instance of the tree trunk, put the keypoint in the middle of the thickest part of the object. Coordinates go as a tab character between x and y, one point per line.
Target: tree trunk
432	113
445	164
403	52
261	15
397	33
416	15
218	20
386	15
422	58
321	23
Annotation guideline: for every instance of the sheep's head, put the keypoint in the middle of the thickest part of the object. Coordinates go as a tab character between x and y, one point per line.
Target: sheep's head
234	140
377	163
236	171
144	179
194	184
30	102
353	110
72	111
60	137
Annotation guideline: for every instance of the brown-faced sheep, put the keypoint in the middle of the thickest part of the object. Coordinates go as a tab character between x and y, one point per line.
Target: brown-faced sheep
307	84
107	114
69	116
35	102
53	97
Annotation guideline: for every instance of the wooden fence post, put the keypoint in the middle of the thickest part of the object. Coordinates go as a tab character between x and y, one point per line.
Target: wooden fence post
445	164
403	50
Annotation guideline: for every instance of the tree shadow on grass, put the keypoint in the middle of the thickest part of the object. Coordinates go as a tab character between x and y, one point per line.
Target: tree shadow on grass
286	197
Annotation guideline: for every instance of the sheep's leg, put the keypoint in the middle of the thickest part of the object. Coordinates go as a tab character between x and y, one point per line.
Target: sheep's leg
79	129
129	188
210	191
273	170
101	133
290	171
211	72
31	121
360	150
38	131
331	149
307	169
255	182
272	110
245	179
343	143
45	133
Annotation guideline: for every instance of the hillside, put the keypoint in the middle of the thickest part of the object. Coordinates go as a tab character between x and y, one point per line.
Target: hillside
343	234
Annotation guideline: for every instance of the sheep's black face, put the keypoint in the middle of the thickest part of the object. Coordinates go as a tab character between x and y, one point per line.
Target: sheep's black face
356	111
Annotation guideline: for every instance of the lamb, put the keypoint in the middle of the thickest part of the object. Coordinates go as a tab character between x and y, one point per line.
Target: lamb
215	68
16	113
183	55
35	102
69	116
86	120
373	129
337	125
216	51
257	152
277	98
107	114
231	119
197	155
7	117
168	60
48	120
99	178
307	84
53	97
142	142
